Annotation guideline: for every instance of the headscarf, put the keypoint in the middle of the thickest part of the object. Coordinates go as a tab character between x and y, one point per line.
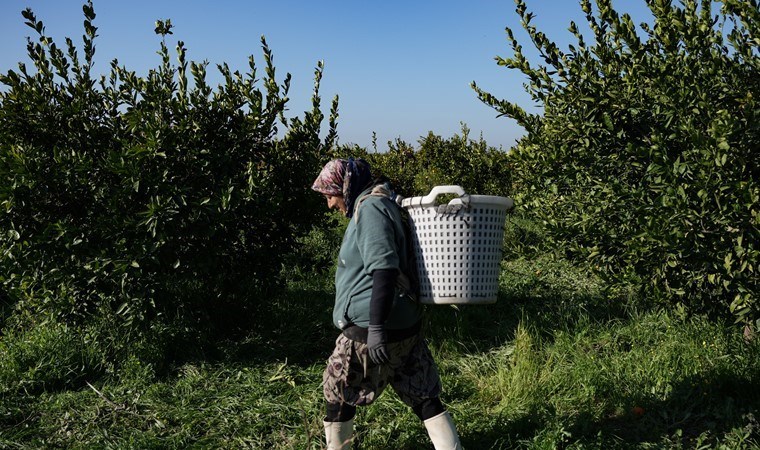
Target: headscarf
330	179
344	178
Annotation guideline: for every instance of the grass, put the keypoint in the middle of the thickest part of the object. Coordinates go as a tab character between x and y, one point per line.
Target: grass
557	362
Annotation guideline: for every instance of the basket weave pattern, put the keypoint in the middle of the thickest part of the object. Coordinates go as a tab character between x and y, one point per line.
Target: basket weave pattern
458	254
458	248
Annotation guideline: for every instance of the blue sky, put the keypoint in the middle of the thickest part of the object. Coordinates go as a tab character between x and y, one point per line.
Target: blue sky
401	68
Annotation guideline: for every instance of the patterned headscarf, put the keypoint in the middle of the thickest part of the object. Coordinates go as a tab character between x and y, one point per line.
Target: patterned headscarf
330	179
344	178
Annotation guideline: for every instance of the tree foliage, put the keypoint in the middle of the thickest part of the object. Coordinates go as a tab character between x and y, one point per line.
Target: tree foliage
461	160
645	160
149	195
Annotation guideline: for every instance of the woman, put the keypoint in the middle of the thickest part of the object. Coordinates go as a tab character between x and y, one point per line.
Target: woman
380	342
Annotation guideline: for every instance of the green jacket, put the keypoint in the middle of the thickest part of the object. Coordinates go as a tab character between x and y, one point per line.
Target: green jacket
374	240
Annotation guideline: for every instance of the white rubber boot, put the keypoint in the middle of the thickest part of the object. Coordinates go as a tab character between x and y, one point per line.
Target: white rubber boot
442	432
339	435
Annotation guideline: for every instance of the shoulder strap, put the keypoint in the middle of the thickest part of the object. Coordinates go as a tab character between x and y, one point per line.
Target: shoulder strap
380	190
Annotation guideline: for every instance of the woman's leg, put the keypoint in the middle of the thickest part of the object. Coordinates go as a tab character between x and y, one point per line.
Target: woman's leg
339	412
419	386
347	381
339	425
428	408
442	432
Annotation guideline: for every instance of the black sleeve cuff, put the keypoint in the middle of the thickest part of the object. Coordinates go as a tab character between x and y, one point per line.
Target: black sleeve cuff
383	290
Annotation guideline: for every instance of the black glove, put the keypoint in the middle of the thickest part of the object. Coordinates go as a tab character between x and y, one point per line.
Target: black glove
376	344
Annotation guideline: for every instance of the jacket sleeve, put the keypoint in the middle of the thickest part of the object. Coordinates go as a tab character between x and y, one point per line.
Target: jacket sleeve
376	237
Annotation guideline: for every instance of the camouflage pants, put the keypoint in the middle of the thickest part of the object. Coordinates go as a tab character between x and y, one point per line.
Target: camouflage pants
351	377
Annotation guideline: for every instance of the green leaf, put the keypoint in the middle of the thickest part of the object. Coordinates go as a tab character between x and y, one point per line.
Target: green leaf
608	122
124	307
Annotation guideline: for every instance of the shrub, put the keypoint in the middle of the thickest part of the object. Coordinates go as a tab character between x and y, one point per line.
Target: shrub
317	252
644	161
472	164
460	160
154	195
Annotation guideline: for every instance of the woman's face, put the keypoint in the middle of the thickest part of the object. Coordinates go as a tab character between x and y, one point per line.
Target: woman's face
336	202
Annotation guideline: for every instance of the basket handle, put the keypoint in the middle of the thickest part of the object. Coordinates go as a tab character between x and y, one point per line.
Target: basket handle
440	190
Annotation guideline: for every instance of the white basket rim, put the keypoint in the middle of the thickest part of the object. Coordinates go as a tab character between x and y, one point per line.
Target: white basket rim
463	199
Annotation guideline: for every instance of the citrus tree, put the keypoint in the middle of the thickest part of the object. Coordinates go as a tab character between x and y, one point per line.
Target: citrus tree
436	160
645	159
149	195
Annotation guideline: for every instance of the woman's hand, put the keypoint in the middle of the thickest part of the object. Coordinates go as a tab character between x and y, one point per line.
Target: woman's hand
376	344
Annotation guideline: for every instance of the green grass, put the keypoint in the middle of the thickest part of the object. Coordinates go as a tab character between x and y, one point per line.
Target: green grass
557	362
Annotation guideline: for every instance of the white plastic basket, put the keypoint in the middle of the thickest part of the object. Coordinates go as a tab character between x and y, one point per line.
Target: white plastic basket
458	245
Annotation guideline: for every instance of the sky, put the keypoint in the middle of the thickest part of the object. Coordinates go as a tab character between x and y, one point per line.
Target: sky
400	68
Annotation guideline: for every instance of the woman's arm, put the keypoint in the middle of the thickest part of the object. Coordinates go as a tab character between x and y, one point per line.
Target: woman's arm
383	289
